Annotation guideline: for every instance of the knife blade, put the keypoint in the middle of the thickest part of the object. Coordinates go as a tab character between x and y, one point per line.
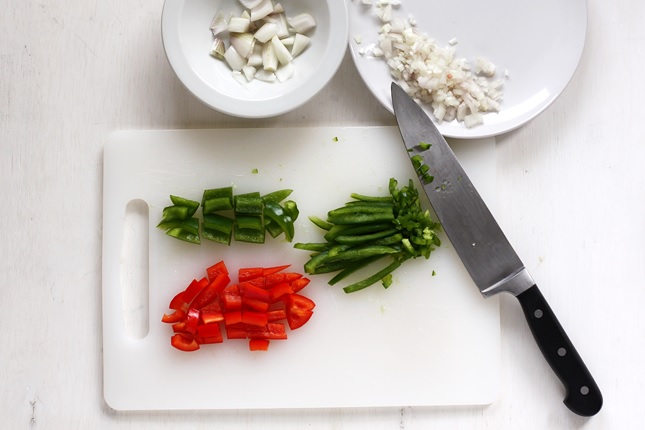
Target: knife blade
485	251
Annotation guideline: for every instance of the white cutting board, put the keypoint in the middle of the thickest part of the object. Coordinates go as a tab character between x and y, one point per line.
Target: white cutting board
427	340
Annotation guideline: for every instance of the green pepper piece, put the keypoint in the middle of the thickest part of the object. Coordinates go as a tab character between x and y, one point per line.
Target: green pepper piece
291	208
217	228
190	225
217	199
276	196
320	223
190	204
249	235
273	228
249	203
217	236
277	214
374	278
183	234
249	222
171	213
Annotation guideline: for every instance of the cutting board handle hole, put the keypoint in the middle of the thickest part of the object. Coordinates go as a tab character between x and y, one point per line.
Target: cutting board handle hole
134	268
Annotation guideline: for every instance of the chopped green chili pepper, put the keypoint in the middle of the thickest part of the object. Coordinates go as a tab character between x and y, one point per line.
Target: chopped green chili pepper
370	228
217	199
277	214
249	203
190	204
277	196
217	228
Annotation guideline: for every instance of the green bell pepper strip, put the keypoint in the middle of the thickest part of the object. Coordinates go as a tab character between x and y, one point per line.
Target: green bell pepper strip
276	196
374	278
277	214
190	204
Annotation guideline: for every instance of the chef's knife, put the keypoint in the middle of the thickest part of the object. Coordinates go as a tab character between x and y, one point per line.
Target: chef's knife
485	251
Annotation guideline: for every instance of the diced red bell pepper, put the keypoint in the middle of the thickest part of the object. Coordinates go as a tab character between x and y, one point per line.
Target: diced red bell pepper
233	317
249	273
192	320
269	331
259	344
299	284
279	290
194	288
256	305
179	327
255	318
212	332
275	278
299	310
230	298
276	315
184	342
236	331
212	313
211	291
250	291
178	302
216	269
174	317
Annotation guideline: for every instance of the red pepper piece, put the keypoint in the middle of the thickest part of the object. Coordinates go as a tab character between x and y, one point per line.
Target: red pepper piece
209	294
279	290
233	317
192	320
299	284
253	272
184	342
249	291
237	331
174	317
194	288
216	269
178	302
255	318
230	298
259	344
210	332
299	310
277	315
257	282
212	313
269	331
255	305
276	278
179	327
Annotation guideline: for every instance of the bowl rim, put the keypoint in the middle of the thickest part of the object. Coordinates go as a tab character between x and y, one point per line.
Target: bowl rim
337	44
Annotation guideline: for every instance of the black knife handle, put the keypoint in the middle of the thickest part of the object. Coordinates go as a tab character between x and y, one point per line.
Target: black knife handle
582	394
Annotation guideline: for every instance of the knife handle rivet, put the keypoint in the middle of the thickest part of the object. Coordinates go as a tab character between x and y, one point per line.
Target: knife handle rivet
584	390
562	352
538	313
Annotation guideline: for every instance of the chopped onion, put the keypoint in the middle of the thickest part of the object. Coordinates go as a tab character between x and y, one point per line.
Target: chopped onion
243	43
433	75
218	48
238	24
302	23
284	72
219	24
235	60
249	72
265	75
262	41
266	32
264	8
300	42
281	51
269	59
250	4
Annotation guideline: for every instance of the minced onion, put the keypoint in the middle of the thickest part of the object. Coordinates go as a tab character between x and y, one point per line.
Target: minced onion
262	42
433	75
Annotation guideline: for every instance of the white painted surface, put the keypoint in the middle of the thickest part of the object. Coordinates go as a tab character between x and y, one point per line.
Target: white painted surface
569	184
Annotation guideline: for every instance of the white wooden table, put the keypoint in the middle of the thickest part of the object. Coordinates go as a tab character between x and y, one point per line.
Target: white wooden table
571	194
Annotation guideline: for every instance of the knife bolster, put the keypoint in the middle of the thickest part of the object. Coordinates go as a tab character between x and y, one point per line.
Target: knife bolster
515	284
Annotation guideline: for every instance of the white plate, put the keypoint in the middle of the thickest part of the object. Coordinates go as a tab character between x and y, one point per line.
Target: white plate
539	43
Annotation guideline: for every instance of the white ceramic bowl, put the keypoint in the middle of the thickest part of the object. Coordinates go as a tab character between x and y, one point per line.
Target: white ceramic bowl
187	39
